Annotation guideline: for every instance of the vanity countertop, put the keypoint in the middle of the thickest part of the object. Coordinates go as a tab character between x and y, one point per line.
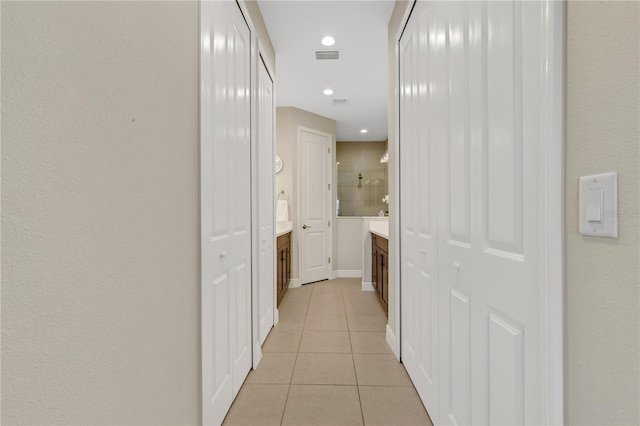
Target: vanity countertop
379	227
283	227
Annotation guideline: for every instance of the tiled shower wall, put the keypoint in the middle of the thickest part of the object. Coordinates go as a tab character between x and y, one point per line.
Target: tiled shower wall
361	158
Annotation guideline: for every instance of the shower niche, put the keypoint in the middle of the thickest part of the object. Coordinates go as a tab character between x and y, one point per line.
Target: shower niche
362	178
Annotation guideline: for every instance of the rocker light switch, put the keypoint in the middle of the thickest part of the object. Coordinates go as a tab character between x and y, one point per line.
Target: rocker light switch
595	207
599	205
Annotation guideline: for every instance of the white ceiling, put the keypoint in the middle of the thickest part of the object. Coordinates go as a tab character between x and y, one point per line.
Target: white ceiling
360	75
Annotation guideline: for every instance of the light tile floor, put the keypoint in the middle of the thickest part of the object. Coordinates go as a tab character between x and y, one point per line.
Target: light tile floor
327	363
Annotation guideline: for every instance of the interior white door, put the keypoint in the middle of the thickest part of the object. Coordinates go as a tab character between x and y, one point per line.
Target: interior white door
315	205
225	167
459	290
475	103
266	205
418	219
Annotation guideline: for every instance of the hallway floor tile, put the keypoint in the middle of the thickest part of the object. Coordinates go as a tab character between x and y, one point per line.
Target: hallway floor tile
327	362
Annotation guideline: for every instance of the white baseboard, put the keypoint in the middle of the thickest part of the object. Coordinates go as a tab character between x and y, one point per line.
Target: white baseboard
367	286
294	282
392	341
276	317
349	273
334	275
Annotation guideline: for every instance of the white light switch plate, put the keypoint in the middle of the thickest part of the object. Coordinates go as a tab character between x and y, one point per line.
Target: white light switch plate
599	205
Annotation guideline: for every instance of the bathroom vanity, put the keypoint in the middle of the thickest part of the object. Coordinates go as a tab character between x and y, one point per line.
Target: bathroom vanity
284	265
380	269
375	261
283	258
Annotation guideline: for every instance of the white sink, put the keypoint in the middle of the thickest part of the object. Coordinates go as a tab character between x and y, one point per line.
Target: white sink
283	227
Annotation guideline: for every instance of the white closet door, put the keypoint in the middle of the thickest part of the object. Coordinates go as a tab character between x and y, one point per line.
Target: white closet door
474	104
460	290
266	204
418	218
225	206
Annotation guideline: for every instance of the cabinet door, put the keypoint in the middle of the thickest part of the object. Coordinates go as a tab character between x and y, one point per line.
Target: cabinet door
286	266
379	272
280	273
385	279
374	262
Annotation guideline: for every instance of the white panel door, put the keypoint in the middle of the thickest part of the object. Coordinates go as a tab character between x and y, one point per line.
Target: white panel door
315	205
418	218
225	205
481	70
507	120
456	286
266	205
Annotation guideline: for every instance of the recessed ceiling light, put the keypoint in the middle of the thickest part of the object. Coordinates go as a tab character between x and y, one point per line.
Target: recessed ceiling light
363	131
328	92
328	41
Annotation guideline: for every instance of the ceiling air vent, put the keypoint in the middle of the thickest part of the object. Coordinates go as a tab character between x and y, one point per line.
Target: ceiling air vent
340	101
327	54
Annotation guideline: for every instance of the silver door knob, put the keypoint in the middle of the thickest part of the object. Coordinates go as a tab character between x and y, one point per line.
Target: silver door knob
305	226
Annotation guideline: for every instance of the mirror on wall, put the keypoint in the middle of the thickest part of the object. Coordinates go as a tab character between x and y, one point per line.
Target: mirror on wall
362	178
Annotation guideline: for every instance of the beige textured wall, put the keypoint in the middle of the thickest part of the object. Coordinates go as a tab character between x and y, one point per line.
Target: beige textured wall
602	306
349	244
100	242
287	121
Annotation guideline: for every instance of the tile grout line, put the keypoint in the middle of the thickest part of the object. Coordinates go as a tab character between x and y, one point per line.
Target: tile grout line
353	359
298	352
284	408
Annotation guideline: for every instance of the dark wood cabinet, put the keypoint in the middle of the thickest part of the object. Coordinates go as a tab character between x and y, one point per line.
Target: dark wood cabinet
283	244
380	269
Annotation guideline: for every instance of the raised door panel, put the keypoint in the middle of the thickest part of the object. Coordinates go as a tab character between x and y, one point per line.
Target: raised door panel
503	171
506	372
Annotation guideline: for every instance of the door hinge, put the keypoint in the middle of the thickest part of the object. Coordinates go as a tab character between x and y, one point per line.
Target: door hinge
329	224
329	260
328	150
329	186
